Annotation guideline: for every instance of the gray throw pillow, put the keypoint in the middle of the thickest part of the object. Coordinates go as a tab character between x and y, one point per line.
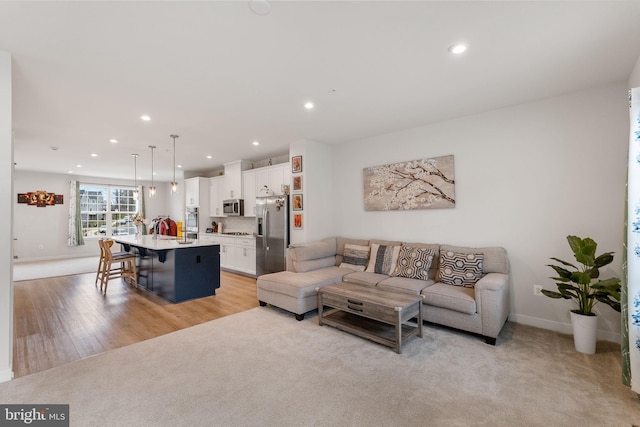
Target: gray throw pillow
414	263
460	269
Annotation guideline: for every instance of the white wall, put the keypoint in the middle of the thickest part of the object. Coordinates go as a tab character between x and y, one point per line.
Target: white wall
526	177
634	79
316	191
6	238
41	232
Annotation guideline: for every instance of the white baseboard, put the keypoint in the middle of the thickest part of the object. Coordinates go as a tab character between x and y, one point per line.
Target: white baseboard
563	328
6	375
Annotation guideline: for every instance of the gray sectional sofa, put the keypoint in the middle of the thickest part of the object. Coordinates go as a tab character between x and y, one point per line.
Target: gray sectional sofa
463	288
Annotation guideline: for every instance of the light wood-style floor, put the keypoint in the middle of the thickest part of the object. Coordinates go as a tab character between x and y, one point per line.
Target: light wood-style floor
63	319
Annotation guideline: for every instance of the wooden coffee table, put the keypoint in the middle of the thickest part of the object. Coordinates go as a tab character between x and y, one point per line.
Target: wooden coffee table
371	313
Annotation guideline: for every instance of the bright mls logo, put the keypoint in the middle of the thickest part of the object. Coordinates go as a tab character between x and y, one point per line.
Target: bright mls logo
34	415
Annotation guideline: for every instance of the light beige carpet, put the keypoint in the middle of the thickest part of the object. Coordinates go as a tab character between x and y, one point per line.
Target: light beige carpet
31	270
263	368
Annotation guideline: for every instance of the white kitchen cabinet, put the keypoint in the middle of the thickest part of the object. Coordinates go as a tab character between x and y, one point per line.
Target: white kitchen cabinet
216	189
249	192
192	192
237	253
233	179
245	255
273	177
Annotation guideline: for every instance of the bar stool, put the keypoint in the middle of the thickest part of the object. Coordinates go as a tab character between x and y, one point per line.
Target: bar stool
120	264
102	257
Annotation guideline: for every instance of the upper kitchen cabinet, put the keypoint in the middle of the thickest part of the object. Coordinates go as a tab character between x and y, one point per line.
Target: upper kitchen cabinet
249	192
233	179
196	192
254	181
274	177
216	189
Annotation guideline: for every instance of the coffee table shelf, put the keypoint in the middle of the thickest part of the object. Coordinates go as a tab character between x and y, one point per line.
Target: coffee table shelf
380	316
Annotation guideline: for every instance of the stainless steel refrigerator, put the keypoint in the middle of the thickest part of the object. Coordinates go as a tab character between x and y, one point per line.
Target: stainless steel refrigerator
272	233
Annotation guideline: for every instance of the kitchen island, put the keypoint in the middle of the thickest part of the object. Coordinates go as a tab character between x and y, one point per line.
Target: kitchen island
175	270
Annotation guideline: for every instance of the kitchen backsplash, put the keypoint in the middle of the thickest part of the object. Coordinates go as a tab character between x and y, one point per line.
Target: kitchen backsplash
236	223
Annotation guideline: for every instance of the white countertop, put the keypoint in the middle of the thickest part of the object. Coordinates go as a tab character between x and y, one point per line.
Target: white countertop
160	243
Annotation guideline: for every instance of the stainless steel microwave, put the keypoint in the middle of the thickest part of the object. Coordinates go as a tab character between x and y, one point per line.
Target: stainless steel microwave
233	207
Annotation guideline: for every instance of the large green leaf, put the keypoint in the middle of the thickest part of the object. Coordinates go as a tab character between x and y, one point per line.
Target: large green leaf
562	272
580	277
568	264
604	259
583	249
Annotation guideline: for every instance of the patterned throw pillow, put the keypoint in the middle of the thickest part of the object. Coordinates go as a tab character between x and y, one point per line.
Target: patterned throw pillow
355	257
460	269
383	259
414	263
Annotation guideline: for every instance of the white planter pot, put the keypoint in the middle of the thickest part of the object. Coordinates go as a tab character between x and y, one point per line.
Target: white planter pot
584	332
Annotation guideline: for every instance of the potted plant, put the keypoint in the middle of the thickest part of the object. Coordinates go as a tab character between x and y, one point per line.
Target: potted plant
582	283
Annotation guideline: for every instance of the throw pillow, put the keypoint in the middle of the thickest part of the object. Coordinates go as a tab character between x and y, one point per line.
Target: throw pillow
383	259
355	257
414	263
460	269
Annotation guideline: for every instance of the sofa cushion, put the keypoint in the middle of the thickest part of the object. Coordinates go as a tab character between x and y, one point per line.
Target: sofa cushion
310	256
382	259
301	285
404	285
495	258
364	278
342	241
460	269
436	248
355	257
456	298
414	263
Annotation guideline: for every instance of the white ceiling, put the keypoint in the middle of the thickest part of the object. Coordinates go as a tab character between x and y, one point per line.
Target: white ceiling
221	76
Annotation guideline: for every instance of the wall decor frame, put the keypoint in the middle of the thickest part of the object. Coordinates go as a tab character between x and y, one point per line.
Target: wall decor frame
297	182
296	164
40	198
296	202
416	184
297	221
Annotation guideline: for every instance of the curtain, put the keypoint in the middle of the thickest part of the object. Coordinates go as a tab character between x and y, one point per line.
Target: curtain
630	298
75	224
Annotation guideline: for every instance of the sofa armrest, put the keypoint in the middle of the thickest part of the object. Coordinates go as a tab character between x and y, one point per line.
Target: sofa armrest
492	302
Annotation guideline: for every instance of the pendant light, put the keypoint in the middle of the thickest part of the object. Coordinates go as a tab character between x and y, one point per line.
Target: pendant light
152	189
135	176
174	184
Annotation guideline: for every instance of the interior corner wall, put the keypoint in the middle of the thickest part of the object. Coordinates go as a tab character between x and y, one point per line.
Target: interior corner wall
317	191
6	237
526	177
634	79
41	232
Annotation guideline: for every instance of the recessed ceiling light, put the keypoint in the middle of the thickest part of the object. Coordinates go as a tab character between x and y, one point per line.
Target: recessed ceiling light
179	166
457	49
113	141
209	157
69	171
256	143
94	155
78	166
308	105
145	118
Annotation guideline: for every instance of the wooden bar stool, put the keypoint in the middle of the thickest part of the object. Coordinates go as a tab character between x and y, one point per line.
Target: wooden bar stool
102	257
120	264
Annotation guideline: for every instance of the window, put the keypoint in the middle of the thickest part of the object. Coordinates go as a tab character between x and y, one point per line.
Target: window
107	210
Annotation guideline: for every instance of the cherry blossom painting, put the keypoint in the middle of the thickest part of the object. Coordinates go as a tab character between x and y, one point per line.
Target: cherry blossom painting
416	184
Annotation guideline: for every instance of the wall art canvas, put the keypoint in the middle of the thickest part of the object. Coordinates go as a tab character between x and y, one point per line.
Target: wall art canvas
40	198
416	184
